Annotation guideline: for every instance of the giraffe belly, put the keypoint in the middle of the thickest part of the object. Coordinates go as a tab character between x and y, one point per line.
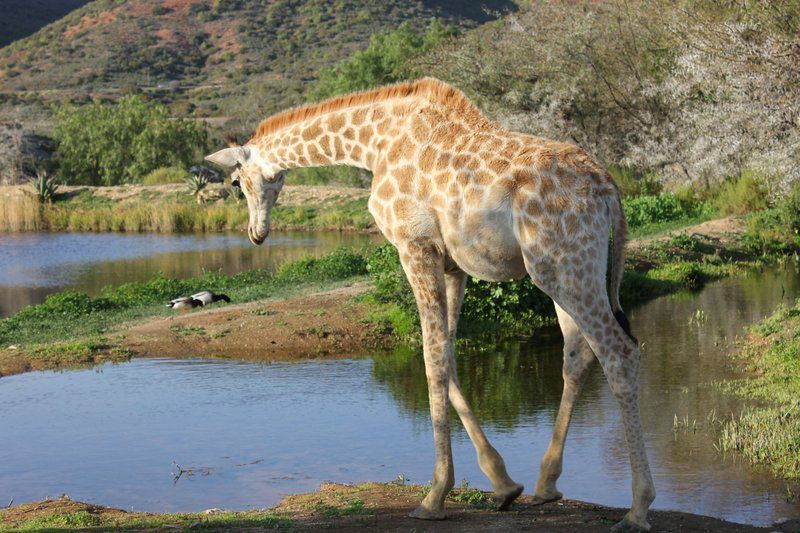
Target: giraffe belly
488	250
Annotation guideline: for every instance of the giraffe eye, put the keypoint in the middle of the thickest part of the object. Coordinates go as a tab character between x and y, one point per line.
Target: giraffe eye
235	182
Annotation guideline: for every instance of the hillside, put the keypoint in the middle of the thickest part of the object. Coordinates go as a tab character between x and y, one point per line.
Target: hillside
24	17
213	57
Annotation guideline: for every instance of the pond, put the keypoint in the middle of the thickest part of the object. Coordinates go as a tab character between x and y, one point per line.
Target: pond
252	433
33	265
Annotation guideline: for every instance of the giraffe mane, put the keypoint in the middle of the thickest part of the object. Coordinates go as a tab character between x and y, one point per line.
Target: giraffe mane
431	88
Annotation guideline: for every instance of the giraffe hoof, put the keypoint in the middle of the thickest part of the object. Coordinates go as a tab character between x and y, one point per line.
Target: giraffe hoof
541	500
422	513
506	498
626	526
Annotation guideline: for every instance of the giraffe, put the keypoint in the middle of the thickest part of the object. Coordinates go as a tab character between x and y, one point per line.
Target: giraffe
458	195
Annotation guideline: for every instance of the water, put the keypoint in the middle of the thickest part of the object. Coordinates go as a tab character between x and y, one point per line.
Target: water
255	432
33	265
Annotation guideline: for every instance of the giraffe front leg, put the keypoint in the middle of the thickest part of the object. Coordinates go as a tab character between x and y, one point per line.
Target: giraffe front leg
506	490
423	263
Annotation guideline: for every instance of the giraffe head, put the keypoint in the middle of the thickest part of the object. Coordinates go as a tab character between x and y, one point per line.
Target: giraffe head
260	181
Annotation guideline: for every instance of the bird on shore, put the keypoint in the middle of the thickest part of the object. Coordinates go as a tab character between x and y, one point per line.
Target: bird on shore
184	303
209	297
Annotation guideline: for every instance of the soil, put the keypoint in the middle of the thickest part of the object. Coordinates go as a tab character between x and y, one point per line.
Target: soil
386	507
326	324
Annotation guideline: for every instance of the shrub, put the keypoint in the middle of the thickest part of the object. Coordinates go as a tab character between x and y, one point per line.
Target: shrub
631	184
44	187
511	303
745	194
109	144
164	175
644	210
384	61
790	208
197	185
342	263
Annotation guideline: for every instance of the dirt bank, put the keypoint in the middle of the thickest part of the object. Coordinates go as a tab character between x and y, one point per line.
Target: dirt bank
369	507
327	324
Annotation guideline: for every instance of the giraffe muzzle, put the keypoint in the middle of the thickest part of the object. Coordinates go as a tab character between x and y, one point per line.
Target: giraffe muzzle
255	238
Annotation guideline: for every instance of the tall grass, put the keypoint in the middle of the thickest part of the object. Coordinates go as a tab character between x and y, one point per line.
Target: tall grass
160	216
21	213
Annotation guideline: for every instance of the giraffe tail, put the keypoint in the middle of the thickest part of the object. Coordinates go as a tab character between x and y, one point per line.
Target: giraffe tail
619	239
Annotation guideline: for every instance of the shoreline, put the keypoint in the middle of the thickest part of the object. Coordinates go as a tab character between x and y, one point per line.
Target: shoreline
370	507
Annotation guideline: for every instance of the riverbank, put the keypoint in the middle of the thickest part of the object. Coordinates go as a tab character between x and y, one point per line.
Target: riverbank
365	507
331	306
768	432
171	208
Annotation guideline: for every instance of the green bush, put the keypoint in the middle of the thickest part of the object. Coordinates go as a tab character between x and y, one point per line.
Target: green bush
486	304
164	175
790	208
745	194
384	61
631	184
342	263
650	209
109	144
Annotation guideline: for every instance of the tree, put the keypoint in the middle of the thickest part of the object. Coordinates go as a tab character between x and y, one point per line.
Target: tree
109	144
384	61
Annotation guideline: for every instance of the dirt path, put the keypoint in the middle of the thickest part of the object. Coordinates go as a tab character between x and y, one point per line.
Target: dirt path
382	507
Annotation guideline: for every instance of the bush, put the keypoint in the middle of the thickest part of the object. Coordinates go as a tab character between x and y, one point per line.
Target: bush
790	208
164	175
631	184
384	61
486	304
745	194
342	263
643	210
109	144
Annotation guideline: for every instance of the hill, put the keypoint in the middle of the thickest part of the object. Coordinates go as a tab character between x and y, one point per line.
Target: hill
213	57
24	17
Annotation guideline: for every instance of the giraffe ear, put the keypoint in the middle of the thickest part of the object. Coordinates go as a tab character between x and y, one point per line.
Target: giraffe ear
230	157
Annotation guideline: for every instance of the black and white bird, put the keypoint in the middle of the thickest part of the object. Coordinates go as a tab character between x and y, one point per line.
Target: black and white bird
184	303
209	297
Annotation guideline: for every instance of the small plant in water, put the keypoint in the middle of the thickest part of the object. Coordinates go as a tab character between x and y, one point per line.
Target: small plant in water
44	187
699	317
197	184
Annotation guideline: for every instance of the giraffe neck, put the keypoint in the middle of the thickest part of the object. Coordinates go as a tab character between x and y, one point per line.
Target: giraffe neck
352	137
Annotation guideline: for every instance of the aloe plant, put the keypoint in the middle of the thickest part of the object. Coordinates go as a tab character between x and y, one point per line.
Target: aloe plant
44	187
197	184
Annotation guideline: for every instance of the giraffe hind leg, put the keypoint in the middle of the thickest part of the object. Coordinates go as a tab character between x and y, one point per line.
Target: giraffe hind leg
578	358
586	301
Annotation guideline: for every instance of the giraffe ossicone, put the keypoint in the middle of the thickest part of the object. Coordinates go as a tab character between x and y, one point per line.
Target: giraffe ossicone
460	195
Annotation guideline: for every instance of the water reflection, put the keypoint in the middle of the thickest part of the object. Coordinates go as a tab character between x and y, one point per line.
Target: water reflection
33	265
267	430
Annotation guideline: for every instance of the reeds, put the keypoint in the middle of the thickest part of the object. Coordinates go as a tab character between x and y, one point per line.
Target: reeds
21	213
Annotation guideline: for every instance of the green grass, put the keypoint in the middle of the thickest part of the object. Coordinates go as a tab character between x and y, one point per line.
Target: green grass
769	432
350	508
